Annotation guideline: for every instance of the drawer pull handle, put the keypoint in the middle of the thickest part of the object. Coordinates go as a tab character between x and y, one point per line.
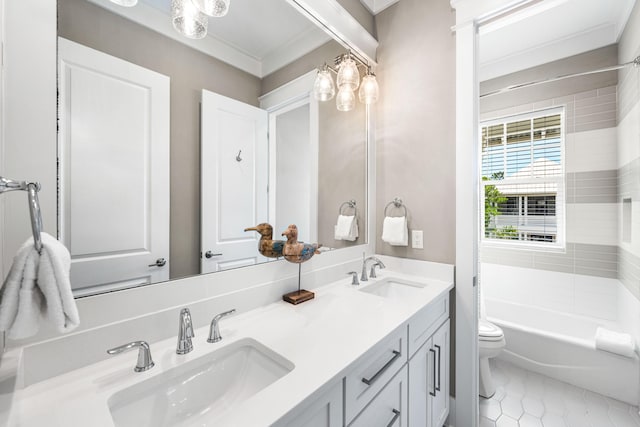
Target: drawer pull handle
370	381
439	370
434	372
396	414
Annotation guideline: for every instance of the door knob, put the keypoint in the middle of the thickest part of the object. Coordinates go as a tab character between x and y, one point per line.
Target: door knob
210	254
160	262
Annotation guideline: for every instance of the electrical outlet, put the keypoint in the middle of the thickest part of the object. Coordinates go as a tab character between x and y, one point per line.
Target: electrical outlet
417	241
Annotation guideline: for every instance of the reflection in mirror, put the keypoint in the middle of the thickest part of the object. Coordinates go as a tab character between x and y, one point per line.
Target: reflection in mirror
134	180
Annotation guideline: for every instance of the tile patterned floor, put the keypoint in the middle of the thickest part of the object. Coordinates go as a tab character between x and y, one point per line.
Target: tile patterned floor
527	399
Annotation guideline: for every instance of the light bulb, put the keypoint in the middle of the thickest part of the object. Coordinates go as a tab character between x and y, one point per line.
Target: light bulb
368	92
345	100
214	8
188	20
323	87
125	3
348	75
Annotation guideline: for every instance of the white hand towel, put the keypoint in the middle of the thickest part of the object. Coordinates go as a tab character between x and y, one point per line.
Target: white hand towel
615	342
21	298
346	228
55	284
394	231
38	289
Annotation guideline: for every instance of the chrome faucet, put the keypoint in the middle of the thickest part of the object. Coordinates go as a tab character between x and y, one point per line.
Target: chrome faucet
185	332
372	273
214	330
363	276
145	362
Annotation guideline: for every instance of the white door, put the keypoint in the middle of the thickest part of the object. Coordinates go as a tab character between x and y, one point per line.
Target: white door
234	181
114	169
293	168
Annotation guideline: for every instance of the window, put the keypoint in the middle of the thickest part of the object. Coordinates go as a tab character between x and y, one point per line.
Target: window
523	179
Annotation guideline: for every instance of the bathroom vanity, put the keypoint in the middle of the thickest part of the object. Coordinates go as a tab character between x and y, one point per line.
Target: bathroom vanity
342	359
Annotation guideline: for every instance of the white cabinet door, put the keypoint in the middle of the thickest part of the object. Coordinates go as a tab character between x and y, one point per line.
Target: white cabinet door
429	385
389	407
114	168
326	411
234	180
440	402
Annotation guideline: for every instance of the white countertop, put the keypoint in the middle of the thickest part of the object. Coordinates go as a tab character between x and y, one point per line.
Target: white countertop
322	338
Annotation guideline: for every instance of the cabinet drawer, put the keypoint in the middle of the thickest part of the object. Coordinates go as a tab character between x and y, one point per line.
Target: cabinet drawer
426	321
389	407
371	373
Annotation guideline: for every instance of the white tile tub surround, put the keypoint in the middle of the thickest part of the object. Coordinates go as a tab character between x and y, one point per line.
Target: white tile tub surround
592	150
592	223
628	136
527	399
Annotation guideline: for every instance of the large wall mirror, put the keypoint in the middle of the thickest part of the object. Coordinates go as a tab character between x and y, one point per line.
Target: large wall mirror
168	150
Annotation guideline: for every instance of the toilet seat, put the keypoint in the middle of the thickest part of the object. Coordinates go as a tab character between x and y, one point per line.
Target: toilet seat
489	332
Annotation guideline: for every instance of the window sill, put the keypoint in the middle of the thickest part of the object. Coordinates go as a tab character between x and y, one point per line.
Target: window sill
521	246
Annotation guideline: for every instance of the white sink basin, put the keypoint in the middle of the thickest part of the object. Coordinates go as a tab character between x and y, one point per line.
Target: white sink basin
200	391
394	288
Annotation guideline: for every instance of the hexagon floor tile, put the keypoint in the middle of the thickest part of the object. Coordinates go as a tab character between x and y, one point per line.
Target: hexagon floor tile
527	399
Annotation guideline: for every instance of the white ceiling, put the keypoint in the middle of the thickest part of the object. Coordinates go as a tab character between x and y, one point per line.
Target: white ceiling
550	30
256	36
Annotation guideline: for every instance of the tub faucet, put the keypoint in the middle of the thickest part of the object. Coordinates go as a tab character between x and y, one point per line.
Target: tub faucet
185	332
363	276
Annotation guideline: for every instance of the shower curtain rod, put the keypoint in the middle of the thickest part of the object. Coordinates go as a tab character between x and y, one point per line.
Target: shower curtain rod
635	63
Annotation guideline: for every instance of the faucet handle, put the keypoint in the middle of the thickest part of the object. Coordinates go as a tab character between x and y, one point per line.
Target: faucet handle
145	362
214	329
354	277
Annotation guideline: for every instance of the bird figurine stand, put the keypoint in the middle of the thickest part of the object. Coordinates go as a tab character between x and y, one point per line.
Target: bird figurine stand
298	252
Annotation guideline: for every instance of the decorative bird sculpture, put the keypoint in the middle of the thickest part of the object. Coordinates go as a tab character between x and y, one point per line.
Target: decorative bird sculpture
297	252
267	246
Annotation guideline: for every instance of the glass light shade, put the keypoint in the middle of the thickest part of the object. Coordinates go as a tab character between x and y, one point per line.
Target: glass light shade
368	92
125	3
188	20
323	87
214	8
348	75
345	100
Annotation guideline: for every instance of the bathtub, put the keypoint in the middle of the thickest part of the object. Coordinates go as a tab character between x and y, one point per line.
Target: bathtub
562	346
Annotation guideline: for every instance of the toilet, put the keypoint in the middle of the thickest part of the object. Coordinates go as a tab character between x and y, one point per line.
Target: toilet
490	344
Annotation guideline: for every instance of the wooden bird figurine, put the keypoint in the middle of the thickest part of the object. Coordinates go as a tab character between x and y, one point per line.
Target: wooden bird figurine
295	251
267	246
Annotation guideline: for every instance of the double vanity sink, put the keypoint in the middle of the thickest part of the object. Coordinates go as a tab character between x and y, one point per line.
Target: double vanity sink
270	361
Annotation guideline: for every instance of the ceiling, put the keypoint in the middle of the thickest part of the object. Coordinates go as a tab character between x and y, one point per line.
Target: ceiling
549	30
259	37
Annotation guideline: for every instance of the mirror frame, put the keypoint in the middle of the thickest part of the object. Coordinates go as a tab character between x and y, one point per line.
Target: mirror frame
30	98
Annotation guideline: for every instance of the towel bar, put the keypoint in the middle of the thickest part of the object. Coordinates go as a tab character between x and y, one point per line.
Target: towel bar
350	204
32	189
397	202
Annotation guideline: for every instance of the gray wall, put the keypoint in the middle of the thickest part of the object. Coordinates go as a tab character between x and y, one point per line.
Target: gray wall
415	123
312	60
190	72
590	160
362	15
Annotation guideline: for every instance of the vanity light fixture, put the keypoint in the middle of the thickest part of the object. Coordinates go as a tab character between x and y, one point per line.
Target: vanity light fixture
125	3
213	8
348	81
188	20
369	90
